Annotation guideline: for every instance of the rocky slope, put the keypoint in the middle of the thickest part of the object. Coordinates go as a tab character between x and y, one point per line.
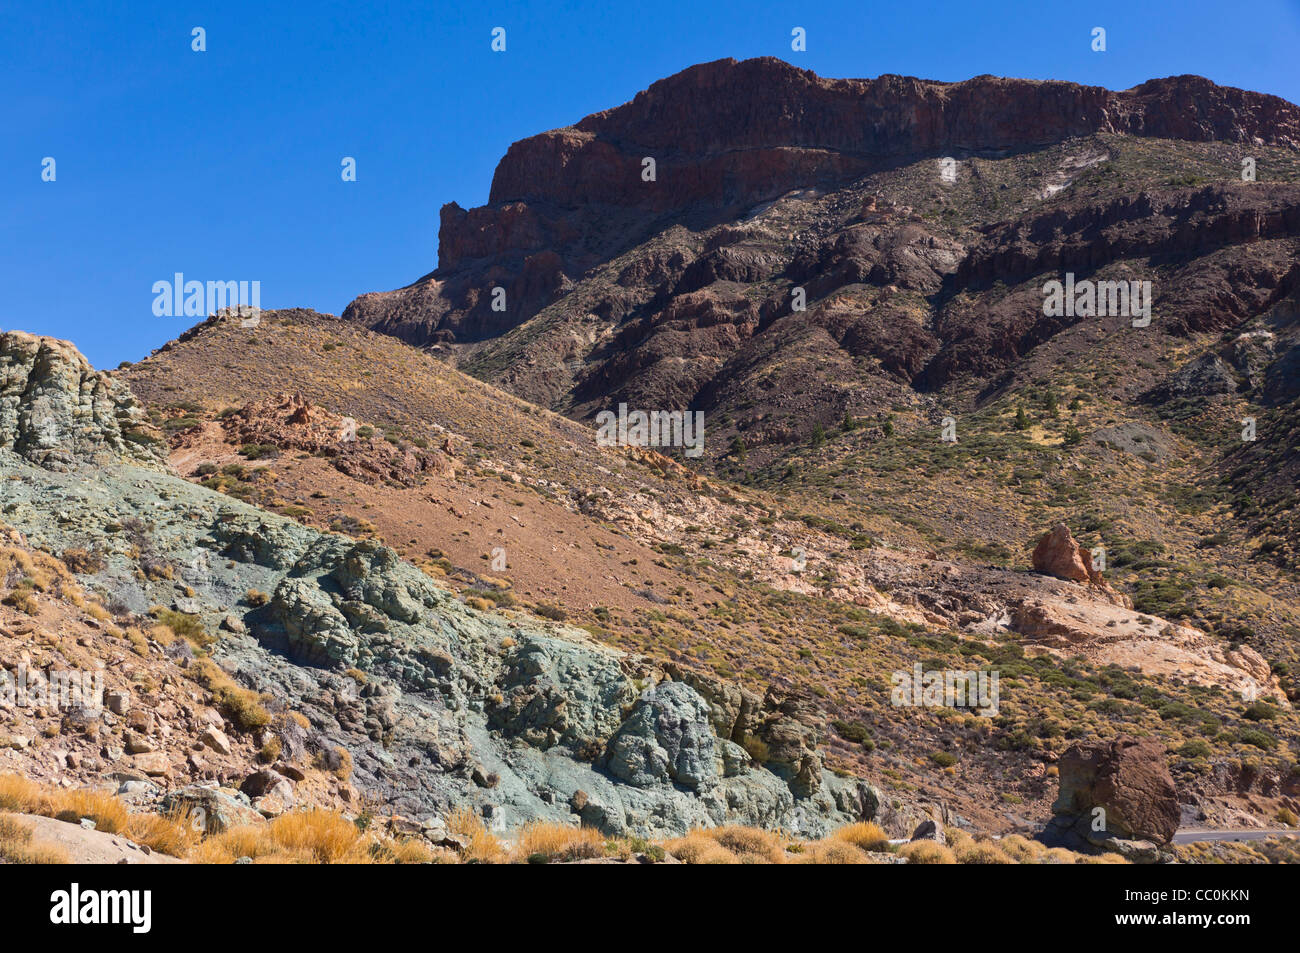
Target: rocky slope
702	575
430	703
922	284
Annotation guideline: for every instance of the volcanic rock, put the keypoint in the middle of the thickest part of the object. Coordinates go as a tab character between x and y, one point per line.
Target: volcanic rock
1057	554
1129	781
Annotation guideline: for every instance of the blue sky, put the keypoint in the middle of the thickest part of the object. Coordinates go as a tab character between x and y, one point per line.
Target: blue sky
225	164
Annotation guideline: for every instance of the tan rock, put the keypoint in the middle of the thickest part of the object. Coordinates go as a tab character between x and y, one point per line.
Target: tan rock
215	739
153	763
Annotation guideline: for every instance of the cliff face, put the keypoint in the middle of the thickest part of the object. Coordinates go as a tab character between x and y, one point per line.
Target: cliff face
728	133
742	131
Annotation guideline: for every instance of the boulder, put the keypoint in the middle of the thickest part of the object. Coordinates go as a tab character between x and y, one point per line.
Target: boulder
215	739
1057	554
930	830
267	783
1129	781
215	810
153	763
138	744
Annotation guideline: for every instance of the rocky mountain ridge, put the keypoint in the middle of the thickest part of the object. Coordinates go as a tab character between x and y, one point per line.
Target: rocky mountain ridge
728	135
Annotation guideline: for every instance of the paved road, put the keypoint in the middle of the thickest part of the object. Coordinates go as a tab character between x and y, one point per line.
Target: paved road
1194	836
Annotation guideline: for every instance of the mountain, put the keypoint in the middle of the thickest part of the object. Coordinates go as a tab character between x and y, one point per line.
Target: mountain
402	530
678	291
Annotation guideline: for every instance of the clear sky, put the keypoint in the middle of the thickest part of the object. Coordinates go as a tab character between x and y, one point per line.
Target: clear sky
225	164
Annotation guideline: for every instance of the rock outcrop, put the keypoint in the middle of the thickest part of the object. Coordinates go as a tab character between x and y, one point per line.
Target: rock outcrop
1057	554
57	410
291	422
1117	792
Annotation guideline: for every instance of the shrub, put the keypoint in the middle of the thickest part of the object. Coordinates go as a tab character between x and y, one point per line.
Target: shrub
698	847
82	561
863	835
257	451
1260	711
1195	749
186	626
1260	739
852	731
541	842
927	852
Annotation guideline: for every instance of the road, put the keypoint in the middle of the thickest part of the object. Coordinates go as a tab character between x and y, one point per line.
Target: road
1194	836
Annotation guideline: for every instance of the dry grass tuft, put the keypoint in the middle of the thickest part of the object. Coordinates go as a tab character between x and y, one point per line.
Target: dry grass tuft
24	797
1058	855
698	847
109	814
16	845
329	837
542	842
483	847
832	851
927	852
1107	858
864	835
1022	850
751	845
981	852
174	834
243	705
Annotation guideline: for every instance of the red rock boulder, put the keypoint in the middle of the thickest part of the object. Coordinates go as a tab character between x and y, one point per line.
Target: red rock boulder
1057	554
1129	780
